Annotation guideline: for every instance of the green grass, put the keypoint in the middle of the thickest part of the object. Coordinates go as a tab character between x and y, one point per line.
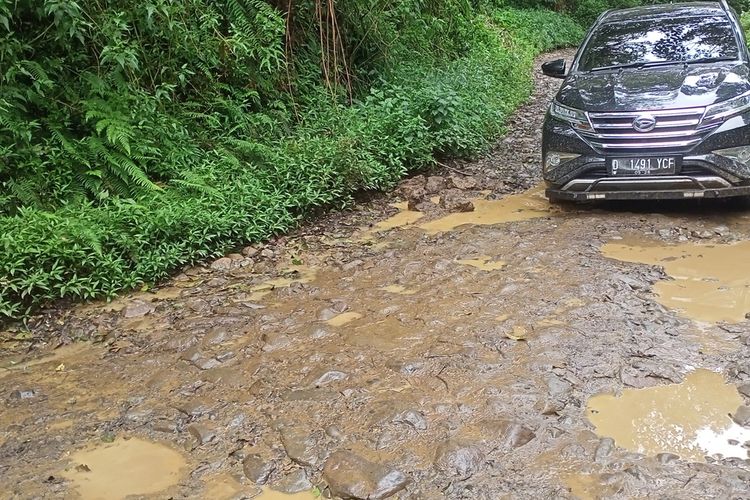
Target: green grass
219	174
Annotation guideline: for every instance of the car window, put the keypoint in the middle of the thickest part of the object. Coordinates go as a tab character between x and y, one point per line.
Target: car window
678	40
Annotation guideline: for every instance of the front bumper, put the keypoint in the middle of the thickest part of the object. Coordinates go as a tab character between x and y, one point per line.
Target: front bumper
703	174
672	193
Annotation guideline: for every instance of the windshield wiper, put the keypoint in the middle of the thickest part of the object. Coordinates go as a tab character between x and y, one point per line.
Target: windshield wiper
642	64
702	60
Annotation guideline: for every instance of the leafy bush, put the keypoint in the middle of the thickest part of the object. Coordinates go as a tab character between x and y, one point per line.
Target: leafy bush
141	136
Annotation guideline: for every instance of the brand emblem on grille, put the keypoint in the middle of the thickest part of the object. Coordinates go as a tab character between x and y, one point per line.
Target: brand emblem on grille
644	123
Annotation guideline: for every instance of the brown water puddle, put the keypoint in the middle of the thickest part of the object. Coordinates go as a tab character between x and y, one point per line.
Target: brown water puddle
398	290
711	282
56	356
690	419
484	263
388	334
343	318
124	467
588	486
530	204
222	487
269	494
404	217
293	274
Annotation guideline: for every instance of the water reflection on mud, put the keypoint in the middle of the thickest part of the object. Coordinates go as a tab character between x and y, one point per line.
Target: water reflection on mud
690	419
711	282
124	467
484	263
530	204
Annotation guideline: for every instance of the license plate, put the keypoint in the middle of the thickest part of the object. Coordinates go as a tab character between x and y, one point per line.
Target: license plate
650	165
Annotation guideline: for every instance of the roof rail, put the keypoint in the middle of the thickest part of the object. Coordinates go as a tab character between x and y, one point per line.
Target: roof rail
725	5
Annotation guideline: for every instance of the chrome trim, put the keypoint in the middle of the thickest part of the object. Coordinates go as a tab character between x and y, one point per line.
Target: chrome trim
676	182
662	124
656	112
676	129
647	145
637	135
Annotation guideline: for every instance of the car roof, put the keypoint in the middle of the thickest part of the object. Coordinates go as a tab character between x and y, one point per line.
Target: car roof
665	11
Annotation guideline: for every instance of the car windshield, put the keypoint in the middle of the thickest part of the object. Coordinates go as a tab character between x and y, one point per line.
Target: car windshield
617	44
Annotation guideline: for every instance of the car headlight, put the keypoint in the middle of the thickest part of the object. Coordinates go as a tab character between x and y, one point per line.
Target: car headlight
575	117
740	154
554	159
723	110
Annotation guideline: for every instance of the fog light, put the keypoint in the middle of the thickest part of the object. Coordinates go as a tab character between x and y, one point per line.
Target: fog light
740	154
554	159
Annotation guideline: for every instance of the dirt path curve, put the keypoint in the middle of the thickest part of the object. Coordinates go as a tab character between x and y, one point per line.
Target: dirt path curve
428	353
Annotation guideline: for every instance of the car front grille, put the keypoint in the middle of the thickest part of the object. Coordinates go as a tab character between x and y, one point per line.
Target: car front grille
676	130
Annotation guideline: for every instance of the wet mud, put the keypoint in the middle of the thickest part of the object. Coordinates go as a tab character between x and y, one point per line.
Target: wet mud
709	283
485	346
691	419
126	466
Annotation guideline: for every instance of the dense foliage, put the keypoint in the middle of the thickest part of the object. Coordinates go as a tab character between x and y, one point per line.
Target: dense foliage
138	136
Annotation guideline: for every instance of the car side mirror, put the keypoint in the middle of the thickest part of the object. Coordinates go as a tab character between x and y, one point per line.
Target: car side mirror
555	69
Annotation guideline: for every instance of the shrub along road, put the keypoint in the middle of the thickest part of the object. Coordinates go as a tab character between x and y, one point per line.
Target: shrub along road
455	350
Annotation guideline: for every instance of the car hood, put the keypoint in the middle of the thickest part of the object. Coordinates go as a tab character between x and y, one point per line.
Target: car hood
655	88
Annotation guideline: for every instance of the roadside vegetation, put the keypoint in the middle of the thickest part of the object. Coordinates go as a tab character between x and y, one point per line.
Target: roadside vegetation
140	136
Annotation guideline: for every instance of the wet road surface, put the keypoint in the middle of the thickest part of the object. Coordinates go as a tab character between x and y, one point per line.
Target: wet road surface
459	339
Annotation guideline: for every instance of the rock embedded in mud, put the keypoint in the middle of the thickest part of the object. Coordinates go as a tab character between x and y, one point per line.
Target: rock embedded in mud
415	199
257	469
294	482
459	458
744	389
454	200
137	309
351	476
202	433
407	187
665	458
217	335
167	426
604	449
200	359
222	264
324	377
300	445
413	418
434	184
507	434
23	394
250	251
741	416
334	432
463	182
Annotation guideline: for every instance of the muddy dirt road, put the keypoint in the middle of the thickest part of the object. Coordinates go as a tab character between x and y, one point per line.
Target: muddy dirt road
421	350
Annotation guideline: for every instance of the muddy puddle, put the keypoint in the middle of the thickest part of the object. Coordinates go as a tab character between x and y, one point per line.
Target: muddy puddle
398	290
269	494
344	318
484	263
55	358
588	486
389	334
690	419
404	217
530	204
711	283
293	274
124	467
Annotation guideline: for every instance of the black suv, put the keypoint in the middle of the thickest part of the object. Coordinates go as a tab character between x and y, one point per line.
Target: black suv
656	105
